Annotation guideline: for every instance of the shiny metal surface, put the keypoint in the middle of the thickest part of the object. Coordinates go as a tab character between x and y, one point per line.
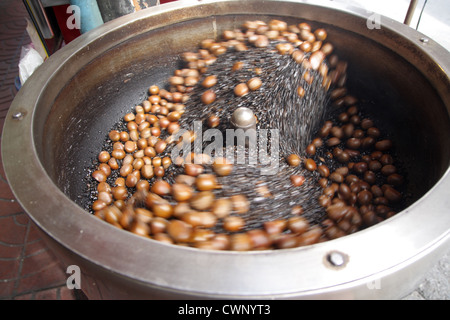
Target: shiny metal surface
243	118
46	148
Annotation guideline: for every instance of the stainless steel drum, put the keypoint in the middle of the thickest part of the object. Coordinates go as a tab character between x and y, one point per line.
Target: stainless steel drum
60	117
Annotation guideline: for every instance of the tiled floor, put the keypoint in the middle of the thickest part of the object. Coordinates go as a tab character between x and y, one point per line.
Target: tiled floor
28	270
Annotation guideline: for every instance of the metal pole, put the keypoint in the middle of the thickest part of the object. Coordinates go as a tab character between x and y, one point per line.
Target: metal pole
410	13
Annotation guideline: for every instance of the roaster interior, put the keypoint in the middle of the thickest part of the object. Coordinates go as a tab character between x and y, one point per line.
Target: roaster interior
75	120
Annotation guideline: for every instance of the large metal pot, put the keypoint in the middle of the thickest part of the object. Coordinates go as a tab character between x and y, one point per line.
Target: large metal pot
60	117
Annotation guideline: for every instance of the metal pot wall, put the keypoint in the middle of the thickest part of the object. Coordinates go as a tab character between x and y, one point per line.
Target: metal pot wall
59	119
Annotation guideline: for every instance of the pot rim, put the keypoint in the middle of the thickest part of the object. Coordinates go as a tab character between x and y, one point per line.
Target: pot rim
378	251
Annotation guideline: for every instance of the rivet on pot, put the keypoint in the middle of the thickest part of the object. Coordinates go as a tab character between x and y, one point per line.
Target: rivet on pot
18	115
336	259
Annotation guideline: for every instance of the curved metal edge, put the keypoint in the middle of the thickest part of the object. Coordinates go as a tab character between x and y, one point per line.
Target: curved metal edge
13	155
371	287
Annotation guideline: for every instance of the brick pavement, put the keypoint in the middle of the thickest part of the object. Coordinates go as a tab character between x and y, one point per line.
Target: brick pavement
28	270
